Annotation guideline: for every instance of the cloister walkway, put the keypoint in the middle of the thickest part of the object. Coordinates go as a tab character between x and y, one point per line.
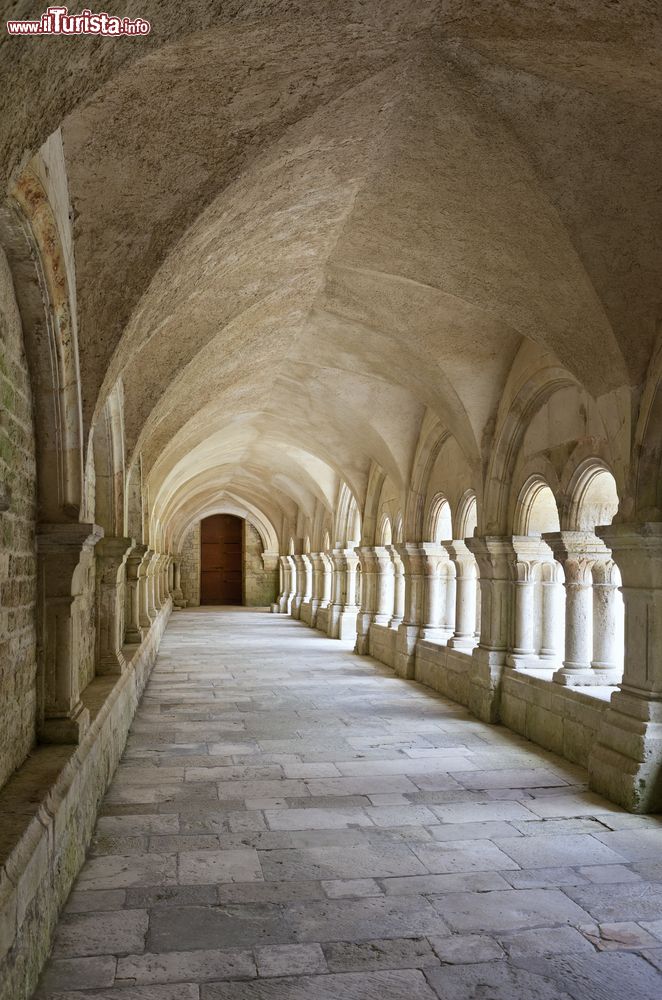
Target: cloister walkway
290	820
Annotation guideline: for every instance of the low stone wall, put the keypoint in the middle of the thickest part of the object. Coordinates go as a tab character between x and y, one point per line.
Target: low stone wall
447	671
48	810
565	720
381	644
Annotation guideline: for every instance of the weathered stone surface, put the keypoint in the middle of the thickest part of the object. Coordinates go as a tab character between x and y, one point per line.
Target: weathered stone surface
290	960
327	892
498	981
351	986
118	932
186	967
403	953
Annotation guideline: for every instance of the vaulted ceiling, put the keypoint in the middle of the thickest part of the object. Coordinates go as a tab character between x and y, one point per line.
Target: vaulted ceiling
298	226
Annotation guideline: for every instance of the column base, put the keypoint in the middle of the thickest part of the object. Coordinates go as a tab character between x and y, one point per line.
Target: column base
587	678
530	661
134	636
434	633
464	643
626	762
67	729
112	665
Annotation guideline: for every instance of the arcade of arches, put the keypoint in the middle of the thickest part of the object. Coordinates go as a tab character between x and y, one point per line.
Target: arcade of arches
383	281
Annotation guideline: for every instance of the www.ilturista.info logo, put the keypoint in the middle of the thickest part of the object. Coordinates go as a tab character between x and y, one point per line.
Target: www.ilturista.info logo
58	21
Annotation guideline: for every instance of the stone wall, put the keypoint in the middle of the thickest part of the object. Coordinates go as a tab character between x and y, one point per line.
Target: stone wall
17	557
50	808
260	584
190	567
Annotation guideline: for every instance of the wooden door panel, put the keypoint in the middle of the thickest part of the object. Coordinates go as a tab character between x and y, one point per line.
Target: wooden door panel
221	560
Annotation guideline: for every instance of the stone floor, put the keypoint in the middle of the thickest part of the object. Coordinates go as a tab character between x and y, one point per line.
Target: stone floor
292	822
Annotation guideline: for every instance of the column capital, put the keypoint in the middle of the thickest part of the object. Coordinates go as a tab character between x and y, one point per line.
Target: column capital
495	555
62	538
637	549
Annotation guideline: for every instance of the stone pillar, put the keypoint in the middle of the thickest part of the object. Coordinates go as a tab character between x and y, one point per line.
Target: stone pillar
607	659
284	600
464	636
435	561
151	584
344	610
307	597
626	761
64	552
398	588
552	630
164	578
495	557
577	551
530	554
327	581
365	617
377	605
111	555
146	612
178	598
133	631
300	587
317	569
412	556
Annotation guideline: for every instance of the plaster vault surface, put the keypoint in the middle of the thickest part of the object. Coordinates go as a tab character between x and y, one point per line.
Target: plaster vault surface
290	820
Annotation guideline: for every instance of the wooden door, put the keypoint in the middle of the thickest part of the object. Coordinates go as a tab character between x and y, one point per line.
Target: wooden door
221	560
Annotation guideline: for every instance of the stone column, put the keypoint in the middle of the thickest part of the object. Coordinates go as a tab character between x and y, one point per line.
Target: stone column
344	610
327	581
146	612
435	560
552	630
283	600
626	761
607	659
412	556
164	592
297	600
398	588
530	553
64	552
377	606
464	636
177	596
151	584
365	617
111	555
133	631
317	565
495	557
305	609
577	551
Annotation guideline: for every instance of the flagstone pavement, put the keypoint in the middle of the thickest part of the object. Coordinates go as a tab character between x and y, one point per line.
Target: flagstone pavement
293	822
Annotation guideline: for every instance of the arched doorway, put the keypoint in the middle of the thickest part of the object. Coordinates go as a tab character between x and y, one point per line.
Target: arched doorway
221	560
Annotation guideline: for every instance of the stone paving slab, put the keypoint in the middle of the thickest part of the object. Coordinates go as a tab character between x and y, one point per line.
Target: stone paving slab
292	822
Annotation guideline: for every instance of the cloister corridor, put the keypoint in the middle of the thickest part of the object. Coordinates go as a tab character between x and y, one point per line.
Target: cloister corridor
291	820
